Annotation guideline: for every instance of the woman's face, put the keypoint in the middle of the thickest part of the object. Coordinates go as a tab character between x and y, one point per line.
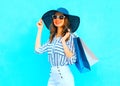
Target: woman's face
58	19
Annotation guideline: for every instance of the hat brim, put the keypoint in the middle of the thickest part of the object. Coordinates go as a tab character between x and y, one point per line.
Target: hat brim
74	20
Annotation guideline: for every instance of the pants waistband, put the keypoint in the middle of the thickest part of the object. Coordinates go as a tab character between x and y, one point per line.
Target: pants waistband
60	68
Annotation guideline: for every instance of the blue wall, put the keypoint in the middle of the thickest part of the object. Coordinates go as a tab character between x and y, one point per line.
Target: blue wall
99	28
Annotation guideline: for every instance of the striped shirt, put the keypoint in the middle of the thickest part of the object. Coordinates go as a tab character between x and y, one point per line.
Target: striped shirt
56	53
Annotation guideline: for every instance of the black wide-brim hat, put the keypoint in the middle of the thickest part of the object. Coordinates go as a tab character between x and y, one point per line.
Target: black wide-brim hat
73	20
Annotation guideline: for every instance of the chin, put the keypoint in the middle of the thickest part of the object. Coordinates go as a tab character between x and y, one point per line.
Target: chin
60	25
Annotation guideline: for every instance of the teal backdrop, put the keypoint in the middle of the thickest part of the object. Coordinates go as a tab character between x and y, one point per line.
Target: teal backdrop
99	28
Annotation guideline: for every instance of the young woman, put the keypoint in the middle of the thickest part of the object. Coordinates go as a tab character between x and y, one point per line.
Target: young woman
60	46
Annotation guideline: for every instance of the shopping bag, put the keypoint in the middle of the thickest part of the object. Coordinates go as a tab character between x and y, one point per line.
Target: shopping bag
92	59
81	63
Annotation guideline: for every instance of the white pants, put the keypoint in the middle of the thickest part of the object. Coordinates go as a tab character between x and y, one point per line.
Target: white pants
61	76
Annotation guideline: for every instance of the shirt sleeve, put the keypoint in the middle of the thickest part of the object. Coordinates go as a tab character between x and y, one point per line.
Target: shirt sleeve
72	59
43	48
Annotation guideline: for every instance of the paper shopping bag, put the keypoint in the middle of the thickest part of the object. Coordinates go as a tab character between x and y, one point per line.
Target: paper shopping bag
92	59
81	63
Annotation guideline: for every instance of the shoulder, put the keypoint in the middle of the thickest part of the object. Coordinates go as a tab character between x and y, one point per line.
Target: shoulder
72	35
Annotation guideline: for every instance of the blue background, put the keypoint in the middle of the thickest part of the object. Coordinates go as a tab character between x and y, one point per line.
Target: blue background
99	28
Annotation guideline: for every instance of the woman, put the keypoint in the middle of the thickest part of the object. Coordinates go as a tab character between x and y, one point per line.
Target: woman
60	46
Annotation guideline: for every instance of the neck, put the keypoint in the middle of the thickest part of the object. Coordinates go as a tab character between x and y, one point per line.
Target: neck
59	31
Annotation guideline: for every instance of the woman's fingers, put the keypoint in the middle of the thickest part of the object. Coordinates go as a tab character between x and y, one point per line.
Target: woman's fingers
68	30
66	36
40	23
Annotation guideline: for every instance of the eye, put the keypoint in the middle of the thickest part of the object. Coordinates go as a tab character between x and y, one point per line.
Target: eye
62	17
54	16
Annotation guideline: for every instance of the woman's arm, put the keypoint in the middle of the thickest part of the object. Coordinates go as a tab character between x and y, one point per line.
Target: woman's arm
38	37
67	51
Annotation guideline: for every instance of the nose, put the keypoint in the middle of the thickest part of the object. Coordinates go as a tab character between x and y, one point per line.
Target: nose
57	19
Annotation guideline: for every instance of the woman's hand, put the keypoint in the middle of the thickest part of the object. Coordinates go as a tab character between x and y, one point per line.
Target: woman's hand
40	24
66	36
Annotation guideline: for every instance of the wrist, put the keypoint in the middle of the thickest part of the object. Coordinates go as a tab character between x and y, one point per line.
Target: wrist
63	41
39	29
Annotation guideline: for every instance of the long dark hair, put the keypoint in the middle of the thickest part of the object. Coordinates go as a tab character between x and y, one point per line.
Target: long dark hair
53	29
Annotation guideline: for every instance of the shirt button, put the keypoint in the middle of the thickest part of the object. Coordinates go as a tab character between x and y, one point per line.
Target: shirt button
61	77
